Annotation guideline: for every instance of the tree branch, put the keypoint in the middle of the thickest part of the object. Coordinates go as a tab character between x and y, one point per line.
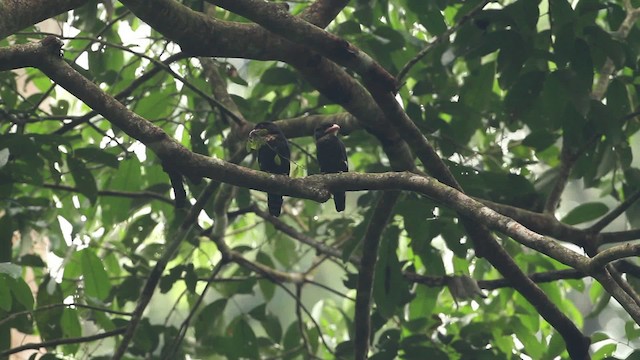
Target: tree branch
438	40
278	20
370	242
613	214
172	246
322	12
122	95
17	15
53	343
619	236
116	193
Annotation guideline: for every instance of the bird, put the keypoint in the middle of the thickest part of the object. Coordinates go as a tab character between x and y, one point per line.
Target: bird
273	157
332	156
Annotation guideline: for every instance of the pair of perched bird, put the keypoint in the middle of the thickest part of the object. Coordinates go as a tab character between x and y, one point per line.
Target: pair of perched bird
274	156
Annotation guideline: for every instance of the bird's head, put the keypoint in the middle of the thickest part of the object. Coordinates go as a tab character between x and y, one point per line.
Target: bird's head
262	133
326	129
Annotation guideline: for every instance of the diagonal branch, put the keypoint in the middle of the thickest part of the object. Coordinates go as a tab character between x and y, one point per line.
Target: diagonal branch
278	20
370	243
438	40
613	214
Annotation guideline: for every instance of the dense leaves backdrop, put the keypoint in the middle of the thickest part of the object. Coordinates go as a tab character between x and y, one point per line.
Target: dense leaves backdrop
530	104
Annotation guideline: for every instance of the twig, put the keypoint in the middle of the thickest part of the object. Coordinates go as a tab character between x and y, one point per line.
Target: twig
53	343
613	214
173	244
182	331
441	38
53	306
117	193
301	327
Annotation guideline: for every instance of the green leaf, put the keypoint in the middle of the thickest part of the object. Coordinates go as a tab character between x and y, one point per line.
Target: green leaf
97	156
244	339
585	212
84	181
156	104
5	293
96	279
267	287
49	293
279	76
204	324
389	285
71	328
127	178
21	292
272	327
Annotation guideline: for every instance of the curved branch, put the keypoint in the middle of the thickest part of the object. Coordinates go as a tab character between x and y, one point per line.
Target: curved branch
614	253
277	19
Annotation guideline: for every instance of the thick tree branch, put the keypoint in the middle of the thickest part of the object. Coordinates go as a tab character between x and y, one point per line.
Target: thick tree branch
322	12
210	37
199	34
619	236
545	224
17	15
568	158
304	125
122	95
278	20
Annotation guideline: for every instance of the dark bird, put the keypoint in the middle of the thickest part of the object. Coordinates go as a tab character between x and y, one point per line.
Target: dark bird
273	157
332	155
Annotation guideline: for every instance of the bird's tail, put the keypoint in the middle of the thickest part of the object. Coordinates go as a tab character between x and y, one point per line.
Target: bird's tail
339	199
274	202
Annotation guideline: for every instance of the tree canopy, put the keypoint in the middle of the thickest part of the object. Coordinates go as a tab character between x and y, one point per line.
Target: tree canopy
492	193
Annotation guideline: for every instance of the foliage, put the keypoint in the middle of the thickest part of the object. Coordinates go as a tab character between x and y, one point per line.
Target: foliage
510	99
